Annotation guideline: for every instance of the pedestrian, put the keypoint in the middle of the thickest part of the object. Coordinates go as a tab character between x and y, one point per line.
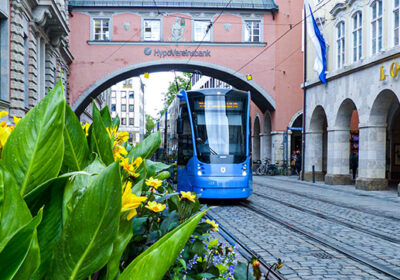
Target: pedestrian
293	162
354	164
298	162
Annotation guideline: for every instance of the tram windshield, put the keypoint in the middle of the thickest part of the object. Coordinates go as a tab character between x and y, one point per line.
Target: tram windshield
219	122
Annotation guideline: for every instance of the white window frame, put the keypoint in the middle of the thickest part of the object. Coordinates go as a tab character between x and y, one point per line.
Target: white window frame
356	35
378	19
340	44
102	33
396	29
201	25
246	32
152	35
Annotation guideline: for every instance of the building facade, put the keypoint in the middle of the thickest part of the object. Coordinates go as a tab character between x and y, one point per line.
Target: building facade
34	47
127	102
114	40
357	112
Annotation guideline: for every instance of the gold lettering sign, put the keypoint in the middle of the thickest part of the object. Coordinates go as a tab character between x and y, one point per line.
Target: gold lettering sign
383	76
394	69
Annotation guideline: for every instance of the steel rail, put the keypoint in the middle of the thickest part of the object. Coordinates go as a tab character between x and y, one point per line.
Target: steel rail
372	264
246	252
326	200
323	216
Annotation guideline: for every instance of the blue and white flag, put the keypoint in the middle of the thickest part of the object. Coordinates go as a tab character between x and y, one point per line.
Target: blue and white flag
318	42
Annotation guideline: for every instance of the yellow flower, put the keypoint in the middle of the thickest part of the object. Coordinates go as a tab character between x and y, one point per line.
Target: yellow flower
112	131
5	131
155	207
129	168
3	114
85	128
155	183
119	150
130	201
122	137
188	196
16	120
138	161
213	224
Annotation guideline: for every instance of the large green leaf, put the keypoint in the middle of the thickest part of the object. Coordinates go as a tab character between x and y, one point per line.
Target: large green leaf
76	153
49	230
15	211
105	115
116	121
154	167
147	147
153	263
13	255
31	262
87	238
75	187
34	151
123	237
100	141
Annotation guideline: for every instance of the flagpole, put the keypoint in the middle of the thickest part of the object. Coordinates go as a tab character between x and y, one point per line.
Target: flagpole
303	142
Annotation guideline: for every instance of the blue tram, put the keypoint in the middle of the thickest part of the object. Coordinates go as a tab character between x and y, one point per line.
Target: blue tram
211	130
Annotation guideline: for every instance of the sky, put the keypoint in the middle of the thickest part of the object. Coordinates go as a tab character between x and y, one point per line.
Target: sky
155	87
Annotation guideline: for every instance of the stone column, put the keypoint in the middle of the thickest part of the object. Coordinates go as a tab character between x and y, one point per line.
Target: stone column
372	158
314	156
277	147
338	158
265	145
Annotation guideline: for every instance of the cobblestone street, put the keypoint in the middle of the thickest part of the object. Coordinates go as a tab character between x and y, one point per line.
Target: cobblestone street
319	231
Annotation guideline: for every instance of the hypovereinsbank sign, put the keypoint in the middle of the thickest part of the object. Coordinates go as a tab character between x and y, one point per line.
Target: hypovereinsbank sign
176	53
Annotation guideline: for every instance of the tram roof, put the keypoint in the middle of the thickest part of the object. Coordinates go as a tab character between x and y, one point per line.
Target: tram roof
192	4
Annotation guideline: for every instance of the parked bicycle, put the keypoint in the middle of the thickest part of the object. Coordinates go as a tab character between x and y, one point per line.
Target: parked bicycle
267	168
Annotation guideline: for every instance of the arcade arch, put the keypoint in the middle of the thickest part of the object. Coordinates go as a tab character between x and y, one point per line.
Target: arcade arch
266	143
256	139
317	148
259	95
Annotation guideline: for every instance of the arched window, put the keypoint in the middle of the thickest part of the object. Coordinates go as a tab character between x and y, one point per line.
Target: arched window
357	36
377	26
340	44
396	22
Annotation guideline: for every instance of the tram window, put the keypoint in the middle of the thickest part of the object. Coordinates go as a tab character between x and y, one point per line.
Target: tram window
185	145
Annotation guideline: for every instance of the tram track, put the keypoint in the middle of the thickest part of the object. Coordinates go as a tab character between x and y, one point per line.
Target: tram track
326	200
245	251
323	241
332	219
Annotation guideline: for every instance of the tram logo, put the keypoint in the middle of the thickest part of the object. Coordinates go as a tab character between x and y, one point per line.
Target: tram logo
223	169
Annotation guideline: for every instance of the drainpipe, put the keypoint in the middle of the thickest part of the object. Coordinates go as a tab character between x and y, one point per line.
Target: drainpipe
303	148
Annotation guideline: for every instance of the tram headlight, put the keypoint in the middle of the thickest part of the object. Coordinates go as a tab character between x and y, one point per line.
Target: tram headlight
244	173
199	173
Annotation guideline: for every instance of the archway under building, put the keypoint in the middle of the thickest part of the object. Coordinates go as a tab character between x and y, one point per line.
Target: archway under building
316	141
266	141
343	145
259	95
378	157
256	139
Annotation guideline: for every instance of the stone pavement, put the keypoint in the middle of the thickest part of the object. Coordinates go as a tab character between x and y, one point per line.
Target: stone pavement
366	224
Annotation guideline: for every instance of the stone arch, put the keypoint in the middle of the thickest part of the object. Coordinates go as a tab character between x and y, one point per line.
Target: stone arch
265	139
316	145
295	117
344	114
381	106
259	95
256	139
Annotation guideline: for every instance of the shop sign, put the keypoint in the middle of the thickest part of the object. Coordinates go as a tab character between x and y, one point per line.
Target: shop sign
394	71
175	52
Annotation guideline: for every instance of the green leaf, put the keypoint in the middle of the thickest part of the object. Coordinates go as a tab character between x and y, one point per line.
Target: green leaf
123	237
49	230
75	188
76	153
153	263
31	262
163	175
15	211
212	243
147	147
105	115
154	167
13	255
100	141
34	151
171	221
116	121
86	241
240	272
